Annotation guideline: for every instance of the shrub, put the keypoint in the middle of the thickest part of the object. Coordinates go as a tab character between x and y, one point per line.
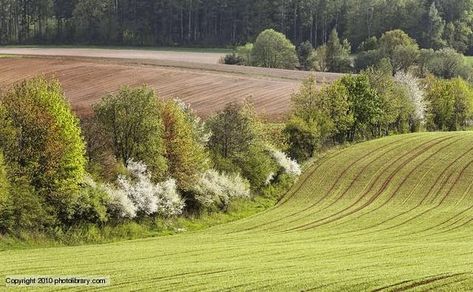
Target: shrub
216	189
445	63
450	104
101	158
236	145
233	59
149	198
25	210
119	204
132	120
303	138
245	53
91	207
367	59
256	166
233	131
273	50
289	166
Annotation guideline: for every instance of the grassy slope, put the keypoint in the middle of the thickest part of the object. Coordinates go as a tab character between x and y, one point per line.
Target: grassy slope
394	213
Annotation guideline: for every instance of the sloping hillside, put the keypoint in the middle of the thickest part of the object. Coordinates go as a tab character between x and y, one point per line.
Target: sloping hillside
391	214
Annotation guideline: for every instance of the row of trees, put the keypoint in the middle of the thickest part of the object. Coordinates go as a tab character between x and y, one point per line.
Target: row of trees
137	157
273	50
374	104
229	22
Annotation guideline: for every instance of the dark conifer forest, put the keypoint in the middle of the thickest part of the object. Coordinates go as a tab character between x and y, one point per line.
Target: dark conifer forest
224	23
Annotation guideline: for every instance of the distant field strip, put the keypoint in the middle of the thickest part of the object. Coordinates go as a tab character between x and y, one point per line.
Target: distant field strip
393	214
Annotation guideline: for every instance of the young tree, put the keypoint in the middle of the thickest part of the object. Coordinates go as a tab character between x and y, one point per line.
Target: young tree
317	116
184	153
273	50
365	106
305	52
41	137
435	28
450	104
42	142
236	146
338	53
132	120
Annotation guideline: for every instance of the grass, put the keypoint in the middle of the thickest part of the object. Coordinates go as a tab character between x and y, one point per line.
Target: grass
391	214
147	48
469	60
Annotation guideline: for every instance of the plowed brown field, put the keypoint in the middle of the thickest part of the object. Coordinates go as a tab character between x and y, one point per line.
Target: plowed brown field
207	87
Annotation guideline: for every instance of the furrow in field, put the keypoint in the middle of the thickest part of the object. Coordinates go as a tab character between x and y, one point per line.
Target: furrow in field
427	194
340	215
443	184
334	184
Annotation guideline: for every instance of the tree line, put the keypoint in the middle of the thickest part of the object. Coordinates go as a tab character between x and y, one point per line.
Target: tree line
138	158
231	22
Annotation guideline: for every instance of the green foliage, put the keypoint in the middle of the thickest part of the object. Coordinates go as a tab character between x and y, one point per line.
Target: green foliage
390	40
25	210
304	52
365	106
91	206
395	105
338	53
401	50
433	36
458	35
132	121
445	63
450	104
303	138
233	59
318	116
186	157
226	23
366	59
42	142
245	54
233	131
318	59
4	185
236	145
88	18
256	166
273	50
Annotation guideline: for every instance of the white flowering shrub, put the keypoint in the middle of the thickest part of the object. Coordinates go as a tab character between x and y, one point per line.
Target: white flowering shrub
149	198
289	165
119	203
140	191
218	189
416	93
169	201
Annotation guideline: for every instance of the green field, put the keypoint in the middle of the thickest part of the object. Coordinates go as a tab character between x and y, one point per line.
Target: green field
391	214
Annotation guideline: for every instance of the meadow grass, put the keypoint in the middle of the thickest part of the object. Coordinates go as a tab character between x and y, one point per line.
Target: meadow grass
390	214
